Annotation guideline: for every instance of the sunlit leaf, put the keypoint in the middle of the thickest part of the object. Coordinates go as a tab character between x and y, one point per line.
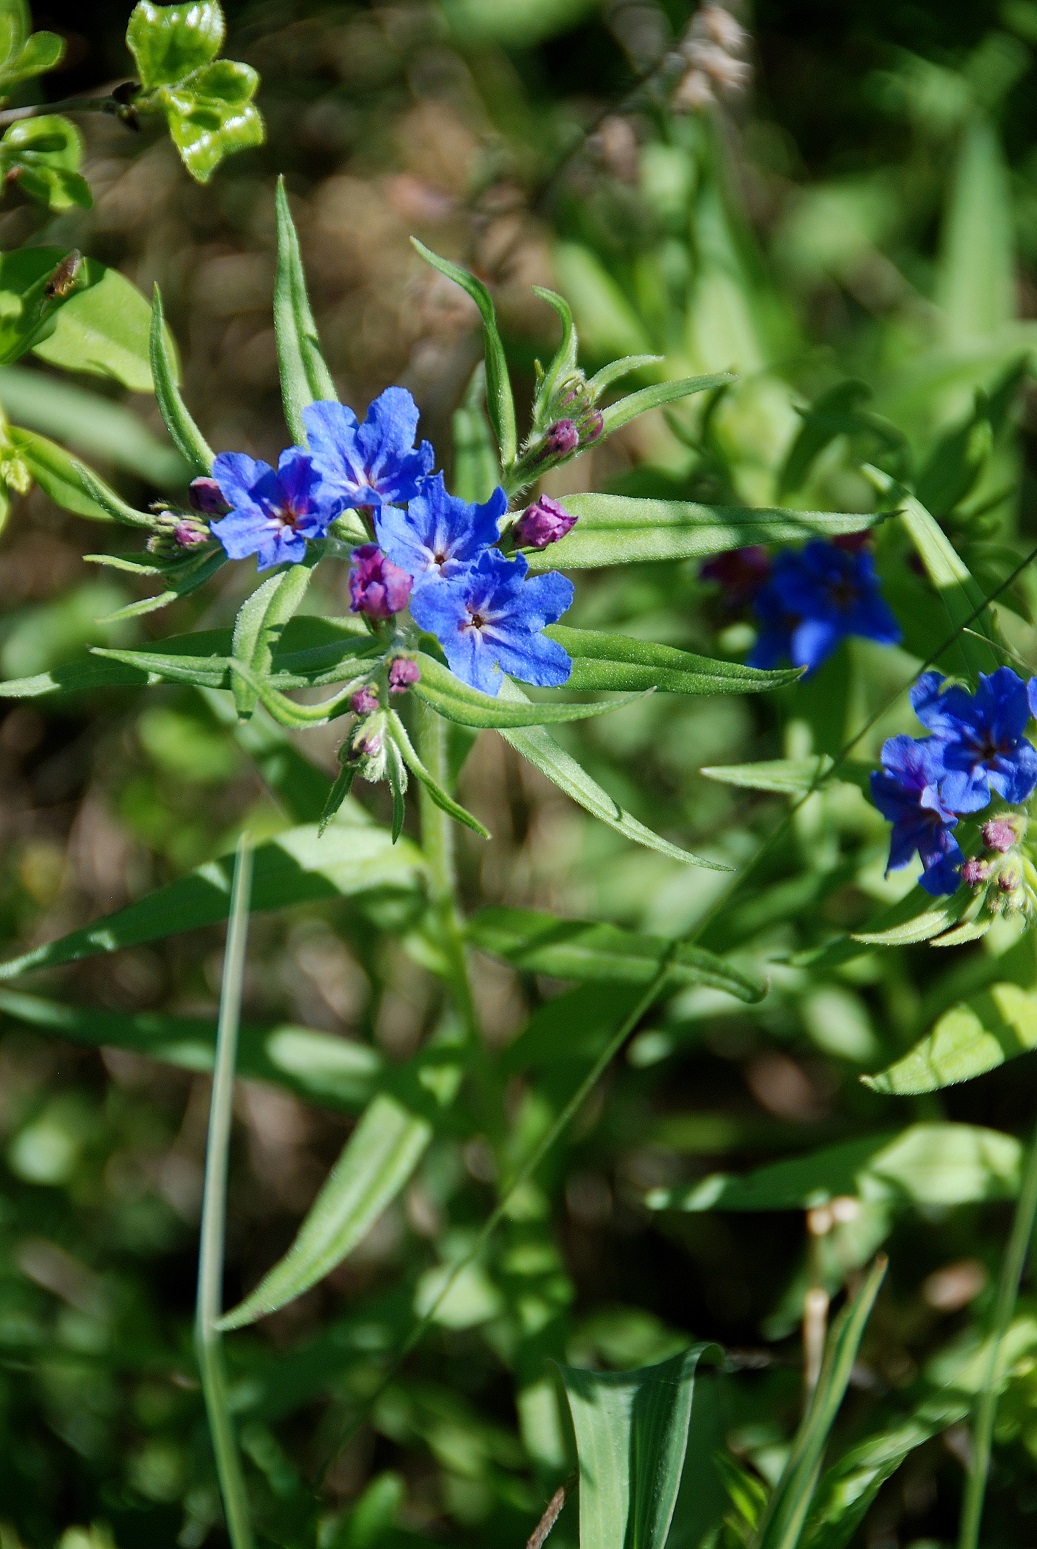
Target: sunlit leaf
606	661
305	377
975	1036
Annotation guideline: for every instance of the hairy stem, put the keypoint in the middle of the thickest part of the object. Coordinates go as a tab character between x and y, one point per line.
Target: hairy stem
209	1304
1012	1266
437	842
67	105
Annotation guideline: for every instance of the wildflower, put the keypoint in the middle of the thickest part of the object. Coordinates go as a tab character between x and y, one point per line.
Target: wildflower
491	619
544	522
439	536
981	734
373	464
403	672
272	514
739	573
377	587
907	791
814	599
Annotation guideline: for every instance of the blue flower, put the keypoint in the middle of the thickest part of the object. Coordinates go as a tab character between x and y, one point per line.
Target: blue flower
906	790
439	536
813	599
272	514
373	464
981	736
490	619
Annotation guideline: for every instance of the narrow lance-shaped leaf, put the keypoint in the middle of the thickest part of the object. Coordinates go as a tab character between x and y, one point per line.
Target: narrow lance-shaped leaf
476	465
604	661
631	1440
57	473
540	748
260	620
295	867
620	530
443	800
602	953
654	397
456	701
498	384
305	377
787	1509
320	1067
186	436
563	365
975	1036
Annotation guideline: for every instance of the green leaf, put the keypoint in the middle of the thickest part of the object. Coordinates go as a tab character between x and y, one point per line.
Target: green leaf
107	431
212	115
442	799
790	776
540	748
786	1511
631	1439
616	662
102	328
837	412
915	918
171	42
961	595
15	24
620	530
184	575
43	156
975	1036
184	433
378	1161
925	1164
56	473
40	53
449	697
295	867
305	377
654	397
975	281
563	363
260	622
500	403
601	953
320	1067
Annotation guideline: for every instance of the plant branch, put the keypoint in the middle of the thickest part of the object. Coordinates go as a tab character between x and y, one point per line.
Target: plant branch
109	104
437	842
214	1213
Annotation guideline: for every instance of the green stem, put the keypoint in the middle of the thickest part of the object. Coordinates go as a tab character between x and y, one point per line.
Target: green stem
1012	1267
68	105
214	1213
437	843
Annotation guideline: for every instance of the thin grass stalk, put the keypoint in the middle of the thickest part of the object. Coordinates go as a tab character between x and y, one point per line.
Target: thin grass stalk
1012	1267
209	1305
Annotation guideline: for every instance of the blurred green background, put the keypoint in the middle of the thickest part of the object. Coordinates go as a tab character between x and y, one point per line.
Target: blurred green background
853	196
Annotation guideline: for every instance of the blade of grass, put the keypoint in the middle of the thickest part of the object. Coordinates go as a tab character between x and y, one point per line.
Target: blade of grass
985	1412
209	1304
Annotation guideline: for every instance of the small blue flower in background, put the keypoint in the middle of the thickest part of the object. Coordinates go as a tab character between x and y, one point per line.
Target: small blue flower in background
907	791
373	464
981	735
490	619
815	598
272	514
439	536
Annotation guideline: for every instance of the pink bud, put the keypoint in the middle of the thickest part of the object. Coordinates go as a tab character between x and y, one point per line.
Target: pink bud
188	534
364	701
544	522
377	587
562	439
999	834
974	872
402	673
207	497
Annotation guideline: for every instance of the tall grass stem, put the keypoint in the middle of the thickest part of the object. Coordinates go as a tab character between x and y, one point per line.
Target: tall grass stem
209	1304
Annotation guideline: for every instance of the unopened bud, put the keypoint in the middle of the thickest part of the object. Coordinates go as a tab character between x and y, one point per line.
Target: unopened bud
544	522
402	673
364	701
975	872
377	587
591	427
562	439
206	497
187	534
1000	834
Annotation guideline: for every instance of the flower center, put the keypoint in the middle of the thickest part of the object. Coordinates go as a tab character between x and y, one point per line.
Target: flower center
842	593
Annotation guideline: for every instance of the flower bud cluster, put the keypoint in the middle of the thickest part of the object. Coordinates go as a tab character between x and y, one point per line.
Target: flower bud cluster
1004	877
713	53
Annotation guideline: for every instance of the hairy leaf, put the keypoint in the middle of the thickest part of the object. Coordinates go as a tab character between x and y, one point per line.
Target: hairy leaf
446	694
975	1036
186	436
305	377
604	661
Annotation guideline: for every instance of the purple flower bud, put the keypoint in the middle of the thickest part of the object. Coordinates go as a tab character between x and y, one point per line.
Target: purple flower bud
544	522
999	834
562	439
1009	878
364	701
189	533
369	745
591	427
402	673
206	497
377	587
974	872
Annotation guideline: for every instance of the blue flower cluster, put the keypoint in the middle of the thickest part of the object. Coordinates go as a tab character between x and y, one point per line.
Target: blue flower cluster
433	550
814	598
976	749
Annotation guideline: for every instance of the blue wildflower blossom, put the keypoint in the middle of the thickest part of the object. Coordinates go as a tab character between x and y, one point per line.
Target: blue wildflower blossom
813	599
272	514
439	536
906	790
373	464
981	736
490	619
